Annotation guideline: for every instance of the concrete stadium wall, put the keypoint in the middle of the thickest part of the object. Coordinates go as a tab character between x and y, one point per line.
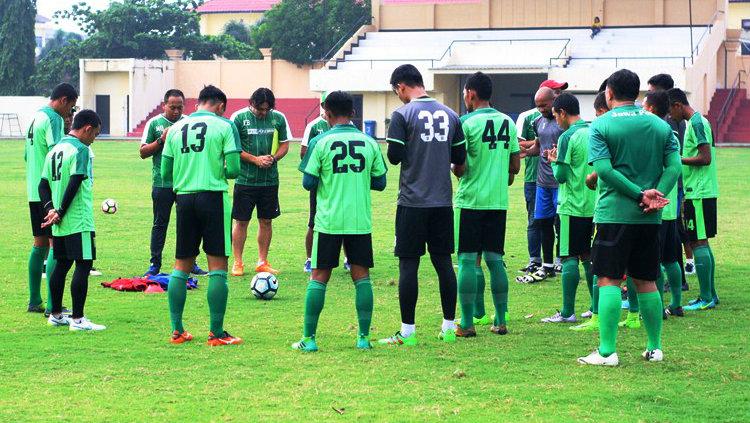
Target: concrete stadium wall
214	23
541	13
24	107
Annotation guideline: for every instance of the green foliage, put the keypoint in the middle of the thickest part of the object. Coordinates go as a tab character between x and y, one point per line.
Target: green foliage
61	39
302	31
226	46
59	65
17	45
239	31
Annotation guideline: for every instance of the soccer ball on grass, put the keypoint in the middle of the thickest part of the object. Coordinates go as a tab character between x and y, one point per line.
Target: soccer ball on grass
109	206
264	286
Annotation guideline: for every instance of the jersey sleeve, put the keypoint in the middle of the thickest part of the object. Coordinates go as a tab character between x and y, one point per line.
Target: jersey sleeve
282	127
306	136
314	163
81	162
672	145
458	136
696	122
55	131
397	129
168	150
519	126
378	164
598	148
563	149
514	147
308	153
232	142
149	135
528	132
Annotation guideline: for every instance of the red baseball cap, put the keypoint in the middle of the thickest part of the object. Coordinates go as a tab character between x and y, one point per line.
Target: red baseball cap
555	85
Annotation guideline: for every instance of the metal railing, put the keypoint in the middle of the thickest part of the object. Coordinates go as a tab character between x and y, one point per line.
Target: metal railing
728	103
705	32
363	20
617	59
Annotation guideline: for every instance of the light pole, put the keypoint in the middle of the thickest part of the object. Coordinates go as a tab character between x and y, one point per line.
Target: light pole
690	13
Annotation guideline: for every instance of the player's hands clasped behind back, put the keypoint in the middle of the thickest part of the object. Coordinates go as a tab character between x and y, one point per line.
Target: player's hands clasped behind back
653	201
52	218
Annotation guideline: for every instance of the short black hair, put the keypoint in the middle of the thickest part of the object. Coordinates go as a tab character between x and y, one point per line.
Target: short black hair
676	95
481	84
212	94
567	102
339	104
603	86
662	81
659	101
263	95
600	102
64	90
173	93
407	74
625	85
86	117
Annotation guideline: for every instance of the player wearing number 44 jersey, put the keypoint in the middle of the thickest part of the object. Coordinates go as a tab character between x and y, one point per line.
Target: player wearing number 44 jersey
425	137
193	160
343	165
492	160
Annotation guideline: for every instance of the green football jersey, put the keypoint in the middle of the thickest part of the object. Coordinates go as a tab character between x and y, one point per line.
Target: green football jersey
699	181
257	139
67	158
313	129
669	212
490	140
574	198
345	160
154	130
526	131
198	145
46	130
637	143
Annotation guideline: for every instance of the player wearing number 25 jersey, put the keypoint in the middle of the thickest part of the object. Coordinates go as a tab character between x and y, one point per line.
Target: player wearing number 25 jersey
193	159
425	137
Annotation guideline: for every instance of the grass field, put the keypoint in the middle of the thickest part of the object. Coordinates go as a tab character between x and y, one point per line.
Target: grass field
131	373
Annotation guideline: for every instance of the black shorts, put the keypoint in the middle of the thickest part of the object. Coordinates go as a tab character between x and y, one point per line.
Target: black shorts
36	210
700	218
327	249
247	198
313	207
78	246
620	248
203	216
416	226
575	235
480	230
669	241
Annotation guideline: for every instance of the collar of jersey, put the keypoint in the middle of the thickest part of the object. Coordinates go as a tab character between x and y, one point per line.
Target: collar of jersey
426	98
579	123
629	106
72	140
167	119
345	127
202	113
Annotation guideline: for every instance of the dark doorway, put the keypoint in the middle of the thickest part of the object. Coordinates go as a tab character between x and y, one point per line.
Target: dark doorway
102	109
357	119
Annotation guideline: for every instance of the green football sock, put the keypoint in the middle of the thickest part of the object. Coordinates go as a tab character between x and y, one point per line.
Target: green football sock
498	285
570	278
609	315
218	292
632	296
467	287
479	310
651	310
702	256
589	276
177	292
660	284
49	268
675	283
36	264
713	272
364	302
595	296
314	301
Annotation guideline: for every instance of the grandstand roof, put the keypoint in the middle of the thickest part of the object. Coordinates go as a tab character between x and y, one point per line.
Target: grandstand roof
236	6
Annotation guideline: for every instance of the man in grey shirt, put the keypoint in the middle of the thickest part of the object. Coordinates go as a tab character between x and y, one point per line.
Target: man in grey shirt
425	137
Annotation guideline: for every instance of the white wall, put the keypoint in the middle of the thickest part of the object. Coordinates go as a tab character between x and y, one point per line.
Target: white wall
24	107
149	80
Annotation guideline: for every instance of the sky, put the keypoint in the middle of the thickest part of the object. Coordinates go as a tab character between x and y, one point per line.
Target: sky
48	8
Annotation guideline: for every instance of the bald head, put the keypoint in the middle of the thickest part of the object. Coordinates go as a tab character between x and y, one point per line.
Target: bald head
543	100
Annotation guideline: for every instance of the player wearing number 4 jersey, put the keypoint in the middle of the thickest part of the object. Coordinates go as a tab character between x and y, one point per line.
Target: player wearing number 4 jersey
492	160
193	160
425	137
343	165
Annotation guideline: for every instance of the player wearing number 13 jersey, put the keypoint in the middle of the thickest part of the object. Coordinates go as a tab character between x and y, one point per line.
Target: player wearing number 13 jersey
425	137
193	160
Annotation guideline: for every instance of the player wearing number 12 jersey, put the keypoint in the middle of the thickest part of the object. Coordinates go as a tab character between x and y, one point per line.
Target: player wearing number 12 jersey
193	161
492	160
344	165
425	137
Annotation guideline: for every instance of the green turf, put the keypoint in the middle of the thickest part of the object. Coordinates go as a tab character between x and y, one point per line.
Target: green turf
131	373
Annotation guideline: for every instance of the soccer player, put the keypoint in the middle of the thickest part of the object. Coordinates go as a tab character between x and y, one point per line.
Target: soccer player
343	164
258	182
575	205
65	190
492	160
636	159
657	102
193	160
45	131
545	207
162	195
701	191
425	137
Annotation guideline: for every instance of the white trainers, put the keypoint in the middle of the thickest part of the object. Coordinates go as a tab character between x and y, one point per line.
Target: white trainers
653	355
85	324
63	320
596	359
586	314
558	318
94	272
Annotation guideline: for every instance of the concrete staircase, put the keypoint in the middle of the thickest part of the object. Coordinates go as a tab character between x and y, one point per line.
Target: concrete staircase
735	127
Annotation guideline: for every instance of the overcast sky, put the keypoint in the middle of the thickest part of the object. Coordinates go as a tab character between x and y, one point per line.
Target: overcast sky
48	8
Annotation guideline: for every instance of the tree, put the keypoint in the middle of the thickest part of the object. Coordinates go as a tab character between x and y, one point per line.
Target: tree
61	39
18	43
238	30
303	31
